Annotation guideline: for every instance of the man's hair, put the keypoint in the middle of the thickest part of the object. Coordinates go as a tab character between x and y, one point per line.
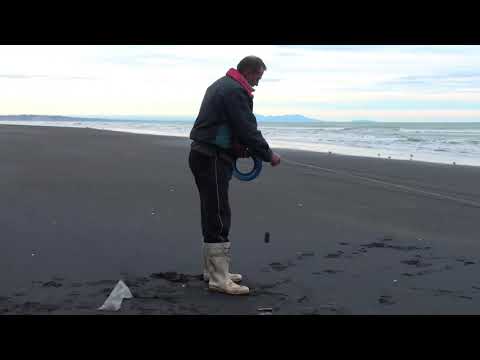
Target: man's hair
251	64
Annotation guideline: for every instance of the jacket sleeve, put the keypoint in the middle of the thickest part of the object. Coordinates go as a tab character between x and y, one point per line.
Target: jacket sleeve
244	124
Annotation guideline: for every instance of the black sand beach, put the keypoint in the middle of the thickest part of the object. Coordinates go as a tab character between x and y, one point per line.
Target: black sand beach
83	208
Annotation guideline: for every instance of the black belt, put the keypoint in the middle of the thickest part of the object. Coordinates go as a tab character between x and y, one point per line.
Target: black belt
211	150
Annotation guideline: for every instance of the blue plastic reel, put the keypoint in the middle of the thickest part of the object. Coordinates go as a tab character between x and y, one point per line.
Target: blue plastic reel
257	168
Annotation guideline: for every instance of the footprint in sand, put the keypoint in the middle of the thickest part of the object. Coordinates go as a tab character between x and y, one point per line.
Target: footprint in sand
302	254
274	285
444	292
466	262
36	306
176	277
309	311
335	255
425	272
386	300
375	245
279	266
395	247
302	299
104	291
101	282
330	271
416	262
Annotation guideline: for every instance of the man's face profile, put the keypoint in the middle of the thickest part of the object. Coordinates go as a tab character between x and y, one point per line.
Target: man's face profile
254	77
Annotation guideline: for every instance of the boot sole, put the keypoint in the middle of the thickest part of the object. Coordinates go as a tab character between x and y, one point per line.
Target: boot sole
216	289
236	281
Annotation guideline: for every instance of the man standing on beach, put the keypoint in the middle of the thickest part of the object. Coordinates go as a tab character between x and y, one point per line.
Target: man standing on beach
225	130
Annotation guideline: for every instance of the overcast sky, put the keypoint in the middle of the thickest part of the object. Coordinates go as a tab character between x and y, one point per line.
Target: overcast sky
336	83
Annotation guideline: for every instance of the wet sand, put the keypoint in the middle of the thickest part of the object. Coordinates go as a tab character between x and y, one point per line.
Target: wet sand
84	208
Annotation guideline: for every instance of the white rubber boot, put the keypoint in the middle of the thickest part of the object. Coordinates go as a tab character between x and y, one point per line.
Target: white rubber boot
206	276
218	261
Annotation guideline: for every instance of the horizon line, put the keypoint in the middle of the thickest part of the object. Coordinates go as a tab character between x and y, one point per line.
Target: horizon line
132	117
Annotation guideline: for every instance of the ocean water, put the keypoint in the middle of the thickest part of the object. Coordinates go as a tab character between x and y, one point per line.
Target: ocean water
431	142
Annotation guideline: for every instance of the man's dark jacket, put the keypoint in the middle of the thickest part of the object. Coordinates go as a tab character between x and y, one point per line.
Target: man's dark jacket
226	118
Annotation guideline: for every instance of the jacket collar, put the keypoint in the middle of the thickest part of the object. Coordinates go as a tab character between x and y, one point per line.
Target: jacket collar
236	75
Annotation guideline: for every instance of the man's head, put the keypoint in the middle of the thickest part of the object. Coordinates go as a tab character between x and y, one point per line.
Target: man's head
252	69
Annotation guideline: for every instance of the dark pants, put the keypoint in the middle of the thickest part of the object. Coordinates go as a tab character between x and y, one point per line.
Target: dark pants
212	175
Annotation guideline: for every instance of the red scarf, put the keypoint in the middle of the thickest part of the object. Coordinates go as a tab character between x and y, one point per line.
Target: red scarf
236	75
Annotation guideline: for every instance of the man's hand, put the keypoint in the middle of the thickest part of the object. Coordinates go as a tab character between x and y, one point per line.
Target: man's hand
275	159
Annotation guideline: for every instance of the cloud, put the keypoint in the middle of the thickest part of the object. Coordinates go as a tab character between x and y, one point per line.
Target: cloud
287	54
26	77
455	80
305	78
19	76
271	80
321	48
79	78
141	58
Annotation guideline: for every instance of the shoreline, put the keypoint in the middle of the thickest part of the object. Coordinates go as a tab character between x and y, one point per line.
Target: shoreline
286	147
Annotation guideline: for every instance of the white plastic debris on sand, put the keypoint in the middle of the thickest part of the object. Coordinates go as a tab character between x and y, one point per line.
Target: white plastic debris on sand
114	300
